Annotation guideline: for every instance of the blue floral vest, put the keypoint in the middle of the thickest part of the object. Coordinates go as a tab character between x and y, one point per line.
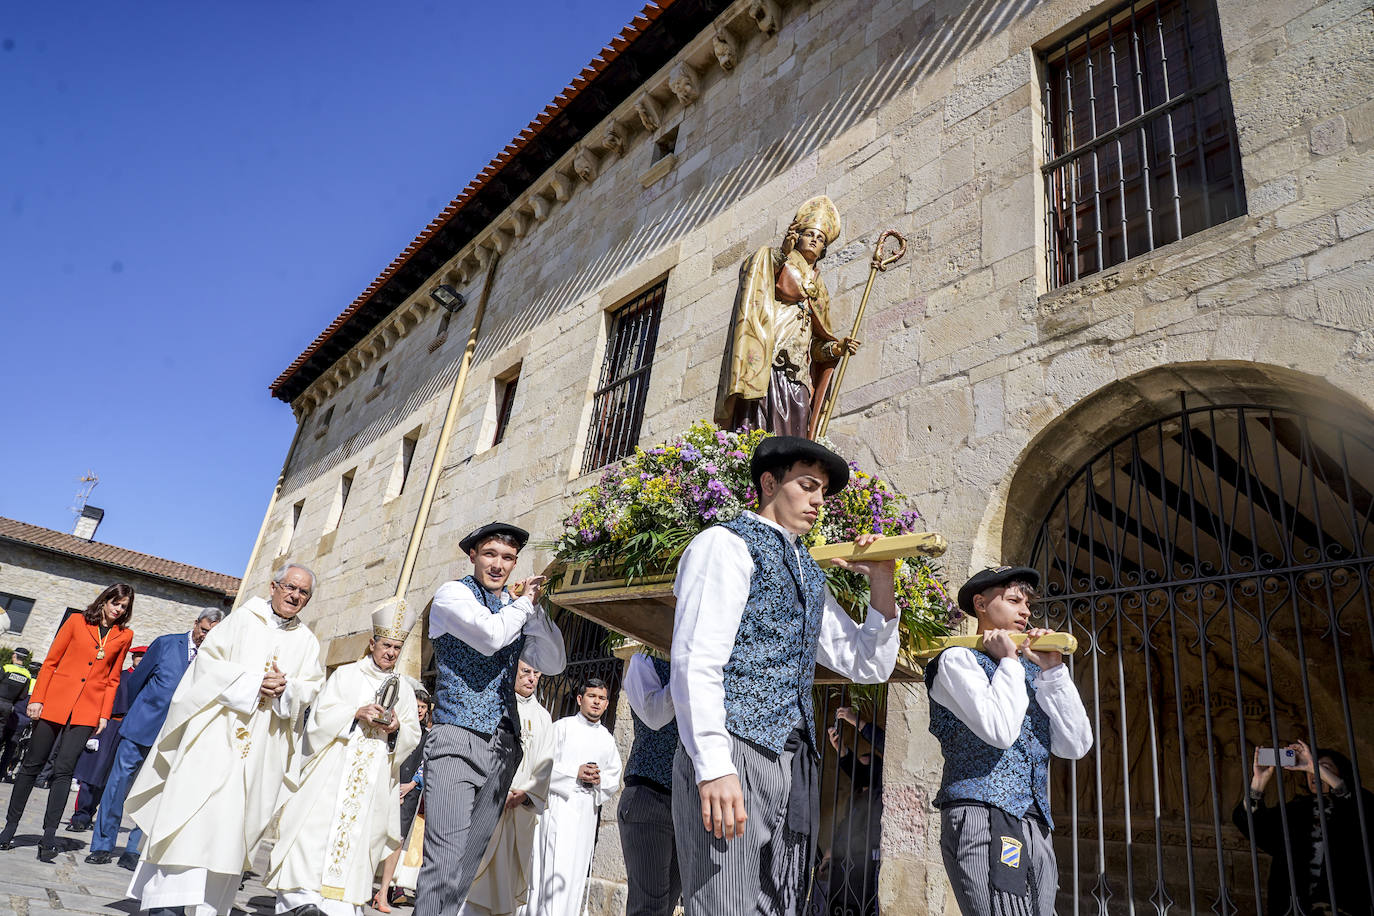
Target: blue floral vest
768	677
476	690
1015	780
651	755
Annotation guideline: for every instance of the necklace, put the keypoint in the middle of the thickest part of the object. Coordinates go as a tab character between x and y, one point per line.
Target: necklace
100	641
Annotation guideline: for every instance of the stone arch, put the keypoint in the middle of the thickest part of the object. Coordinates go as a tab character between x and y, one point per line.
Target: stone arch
1061	447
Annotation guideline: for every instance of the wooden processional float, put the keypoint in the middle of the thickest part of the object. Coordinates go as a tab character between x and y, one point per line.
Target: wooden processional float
643	609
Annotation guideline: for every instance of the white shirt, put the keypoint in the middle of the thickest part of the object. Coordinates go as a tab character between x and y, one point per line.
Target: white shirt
650	698
457	612
712	587
995	708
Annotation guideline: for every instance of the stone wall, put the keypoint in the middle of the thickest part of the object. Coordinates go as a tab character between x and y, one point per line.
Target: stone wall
923	117
57	582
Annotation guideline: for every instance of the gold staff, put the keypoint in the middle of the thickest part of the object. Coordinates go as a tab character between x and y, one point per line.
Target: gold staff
881	261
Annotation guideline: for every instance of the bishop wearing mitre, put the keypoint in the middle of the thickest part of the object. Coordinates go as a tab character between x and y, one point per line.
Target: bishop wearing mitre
782	349
208	790
343	817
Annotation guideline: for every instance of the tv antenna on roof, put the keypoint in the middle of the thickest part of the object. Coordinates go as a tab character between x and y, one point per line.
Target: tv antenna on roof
88	482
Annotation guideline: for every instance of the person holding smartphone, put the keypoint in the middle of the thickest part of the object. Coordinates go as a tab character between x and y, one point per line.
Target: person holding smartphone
480	632
1324	831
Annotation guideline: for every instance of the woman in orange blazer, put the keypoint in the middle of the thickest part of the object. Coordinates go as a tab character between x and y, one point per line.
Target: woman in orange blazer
70	702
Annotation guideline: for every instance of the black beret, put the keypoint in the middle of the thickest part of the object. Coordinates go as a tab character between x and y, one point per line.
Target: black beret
474	540
783	449
992	577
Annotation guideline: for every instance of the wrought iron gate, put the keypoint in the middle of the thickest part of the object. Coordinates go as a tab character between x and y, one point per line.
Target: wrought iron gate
589	656
1216	568
845	882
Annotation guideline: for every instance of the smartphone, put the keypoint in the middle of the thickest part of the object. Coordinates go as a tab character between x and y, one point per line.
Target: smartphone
1286	758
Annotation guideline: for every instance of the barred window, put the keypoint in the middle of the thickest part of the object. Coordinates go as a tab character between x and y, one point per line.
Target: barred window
1139	134
618	409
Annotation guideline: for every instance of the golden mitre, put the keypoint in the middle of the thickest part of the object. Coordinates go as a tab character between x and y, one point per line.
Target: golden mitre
818	213
393	619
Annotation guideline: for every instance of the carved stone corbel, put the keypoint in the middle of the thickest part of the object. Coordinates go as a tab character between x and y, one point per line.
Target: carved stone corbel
561	187
650	115
726	50
683	82
515	225
539	207
613	138
585	164
766	16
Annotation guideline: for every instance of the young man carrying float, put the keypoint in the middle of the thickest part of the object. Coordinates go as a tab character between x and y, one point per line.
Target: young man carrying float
480	633
999	713
753	618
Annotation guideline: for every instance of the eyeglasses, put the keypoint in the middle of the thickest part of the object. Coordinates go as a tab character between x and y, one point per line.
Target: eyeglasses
292	589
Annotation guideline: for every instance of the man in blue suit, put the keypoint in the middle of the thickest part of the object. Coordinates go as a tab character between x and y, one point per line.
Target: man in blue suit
150	689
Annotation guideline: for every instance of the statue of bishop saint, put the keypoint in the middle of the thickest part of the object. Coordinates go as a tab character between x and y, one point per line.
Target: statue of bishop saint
782	350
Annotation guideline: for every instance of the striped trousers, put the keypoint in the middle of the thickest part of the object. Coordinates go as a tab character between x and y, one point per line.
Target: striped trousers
646	838
467	777
766	872
966	843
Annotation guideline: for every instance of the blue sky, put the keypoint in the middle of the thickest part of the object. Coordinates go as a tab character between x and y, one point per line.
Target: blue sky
191	192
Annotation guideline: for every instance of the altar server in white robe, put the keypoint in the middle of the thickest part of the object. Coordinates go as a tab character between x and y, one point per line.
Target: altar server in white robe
344	815
504	879
208	790
586	774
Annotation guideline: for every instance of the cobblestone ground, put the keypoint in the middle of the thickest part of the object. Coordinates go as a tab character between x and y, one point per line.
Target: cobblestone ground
70	886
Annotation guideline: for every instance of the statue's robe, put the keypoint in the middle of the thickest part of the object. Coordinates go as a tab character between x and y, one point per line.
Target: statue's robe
343	816
210	786
775	374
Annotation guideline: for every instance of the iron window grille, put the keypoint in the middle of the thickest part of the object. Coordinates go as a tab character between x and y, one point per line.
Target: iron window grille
618	408
1139	135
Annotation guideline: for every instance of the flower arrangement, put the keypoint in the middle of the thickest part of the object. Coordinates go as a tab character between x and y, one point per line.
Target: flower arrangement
645	509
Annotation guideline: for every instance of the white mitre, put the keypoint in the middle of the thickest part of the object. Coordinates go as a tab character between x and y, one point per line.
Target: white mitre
393	619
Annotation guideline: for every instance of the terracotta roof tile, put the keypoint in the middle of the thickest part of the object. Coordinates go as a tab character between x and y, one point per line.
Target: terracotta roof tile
118	557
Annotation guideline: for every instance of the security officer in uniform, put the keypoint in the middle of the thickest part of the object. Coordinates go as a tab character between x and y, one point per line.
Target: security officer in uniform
16	683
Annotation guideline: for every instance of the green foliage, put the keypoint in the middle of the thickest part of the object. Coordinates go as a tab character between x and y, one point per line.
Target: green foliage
638	518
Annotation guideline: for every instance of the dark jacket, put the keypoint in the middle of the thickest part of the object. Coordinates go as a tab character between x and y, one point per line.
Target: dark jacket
1343	854
151	686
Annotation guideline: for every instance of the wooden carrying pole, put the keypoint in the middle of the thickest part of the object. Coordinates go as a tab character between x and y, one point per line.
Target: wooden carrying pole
409	662
881	261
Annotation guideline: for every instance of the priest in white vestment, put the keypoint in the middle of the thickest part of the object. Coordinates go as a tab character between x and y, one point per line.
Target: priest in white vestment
504	879
209	788
343	817
586	774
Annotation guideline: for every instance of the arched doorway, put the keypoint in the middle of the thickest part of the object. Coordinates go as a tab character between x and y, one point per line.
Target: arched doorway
1215	563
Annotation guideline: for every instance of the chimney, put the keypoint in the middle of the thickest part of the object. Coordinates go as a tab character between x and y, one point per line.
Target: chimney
88	522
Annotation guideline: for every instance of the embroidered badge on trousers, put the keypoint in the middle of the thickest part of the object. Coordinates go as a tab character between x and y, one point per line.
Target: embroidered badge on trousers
1011	852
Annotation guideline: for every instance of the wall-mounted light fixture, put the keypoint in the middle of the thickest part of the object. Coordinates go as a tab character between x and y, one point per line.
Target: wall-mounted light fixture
448	297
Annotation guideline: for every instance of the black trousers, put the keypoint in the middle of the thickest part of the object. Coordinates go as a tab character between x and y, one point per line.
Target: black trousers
69	740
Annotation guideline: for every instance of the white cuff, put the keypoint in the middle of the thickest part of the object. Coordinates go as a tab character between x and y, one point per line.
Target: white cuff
1053	677
713	762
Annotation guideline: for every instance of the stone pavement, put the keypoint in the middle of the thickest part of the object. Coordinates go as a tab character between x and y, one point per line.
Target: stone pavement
69	886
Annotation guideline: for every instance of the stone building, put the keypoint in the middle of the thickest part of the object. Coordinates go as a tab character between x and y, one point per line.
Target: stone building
1131	342
45	575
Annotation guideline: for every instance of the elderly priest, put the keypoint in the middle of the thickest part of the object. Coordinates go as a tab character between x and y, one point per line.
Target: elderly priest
208	790
343	817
